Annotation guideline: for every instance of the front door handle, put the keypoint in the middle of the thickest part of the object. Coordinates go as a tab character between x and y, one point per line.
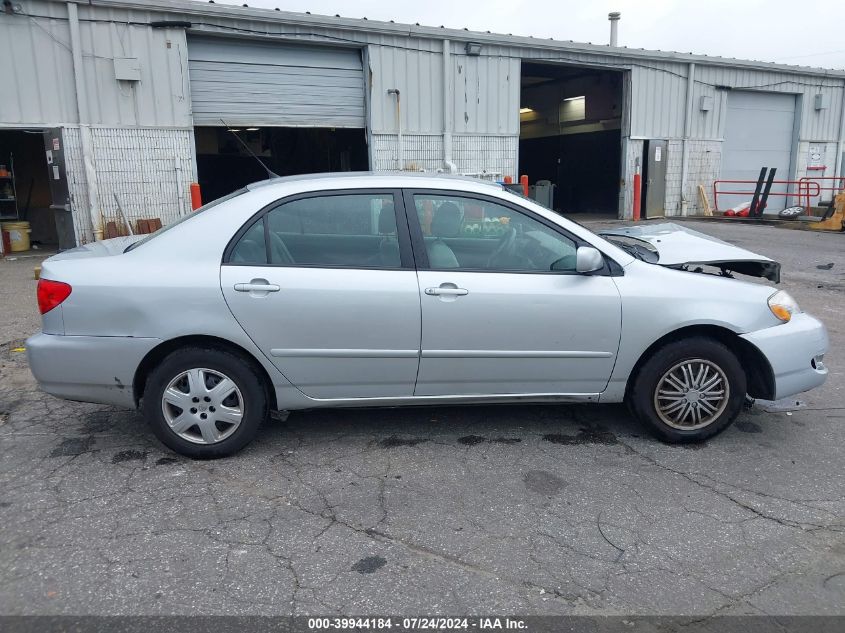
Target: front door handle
447	291
256	286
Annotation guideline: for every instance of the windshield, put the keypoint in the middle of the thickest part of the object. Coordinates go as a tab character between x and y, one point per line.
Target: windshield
518	194
164	229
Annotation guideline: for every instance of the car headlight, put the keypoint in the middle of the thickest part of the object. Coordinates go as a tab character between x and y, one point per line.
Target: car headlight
783	306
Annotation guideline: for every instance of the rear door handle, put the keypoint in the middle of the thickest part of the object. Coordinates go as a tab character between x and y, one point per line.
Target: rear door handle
449	292
257	287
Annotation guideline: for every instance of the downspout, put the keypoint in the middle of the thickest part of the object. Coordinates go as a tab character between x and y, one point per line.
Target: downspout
839	172
447	108
685	141
84	124
400	147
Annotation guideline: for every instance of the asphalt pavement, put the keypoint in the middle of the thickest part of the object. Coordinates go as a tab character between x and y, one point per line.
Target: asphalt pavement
454	510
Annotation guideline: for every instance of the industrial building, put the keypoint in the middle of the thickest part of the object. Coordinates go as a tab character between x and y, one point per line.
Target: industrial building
108	102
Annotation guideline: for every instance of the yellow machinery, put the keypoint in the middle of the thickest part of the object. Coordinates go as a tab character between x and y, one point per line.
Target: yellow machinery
834	219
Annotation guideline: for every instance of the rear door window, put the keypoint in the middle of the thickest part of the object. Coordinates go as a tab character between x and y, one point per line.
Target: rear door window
251	248
354	230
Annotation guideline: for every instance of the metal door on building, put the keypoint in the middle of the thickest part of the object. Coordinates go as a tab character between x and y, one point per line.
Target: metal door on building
759	132
56	161
655	179
249	83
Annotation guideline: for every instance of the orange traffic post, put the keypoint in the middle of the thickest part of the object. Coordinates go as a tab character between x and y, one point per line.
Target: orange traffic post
508	180
196	196
523	180
638	185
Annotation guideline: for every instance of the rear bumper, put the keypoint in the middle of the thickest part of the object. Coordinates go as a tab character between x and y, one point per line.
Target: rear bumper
791	349
97	369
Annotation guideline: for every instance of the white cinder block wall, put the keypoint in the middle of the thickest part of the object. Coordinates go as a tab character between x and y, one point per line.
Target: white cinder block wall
149	169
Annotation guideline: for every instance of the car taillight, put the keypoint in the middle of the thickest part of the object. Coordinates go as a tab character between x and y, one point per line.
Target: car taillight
51	293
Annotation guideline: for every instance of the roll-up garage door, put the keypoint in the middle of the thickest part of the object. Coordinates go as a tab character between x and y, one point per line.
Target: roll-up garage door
249	83
758	133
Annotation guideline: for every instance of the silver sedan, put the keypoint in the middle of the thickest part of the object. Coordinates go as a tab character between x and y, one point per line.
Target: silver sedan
364	290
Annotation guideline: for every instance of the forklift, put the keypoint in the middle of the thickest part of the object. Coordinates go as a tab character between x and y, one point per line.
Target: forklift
834	218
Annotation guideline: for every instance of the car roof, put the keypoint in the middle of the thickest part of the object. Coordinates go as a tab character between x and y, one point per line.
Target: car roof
357	179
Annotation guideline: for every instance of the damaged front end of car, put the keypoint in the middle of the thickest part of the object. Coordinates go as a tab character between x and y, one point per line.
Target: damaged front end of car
675	246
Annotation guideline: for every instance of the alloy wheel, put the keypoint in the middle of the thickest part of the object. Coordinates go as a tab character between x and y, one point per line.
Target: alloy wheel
692	394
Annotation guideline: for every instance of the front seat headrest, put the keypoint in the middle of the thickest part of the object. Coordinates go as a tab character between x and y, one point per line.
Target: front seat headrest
447	220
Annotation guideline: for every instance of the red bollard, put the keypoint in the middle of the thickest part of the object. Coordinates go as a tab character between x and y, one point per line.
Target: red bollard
523	180
637	195
196	196
508	180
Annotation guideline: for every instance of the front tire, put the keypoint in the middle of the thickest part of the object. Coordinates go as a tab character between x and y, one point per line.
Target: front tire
204	403
688	390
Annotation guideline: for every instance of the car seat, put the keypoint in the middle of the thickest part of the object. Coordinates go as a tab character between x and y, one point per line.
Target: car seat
389	244
445	223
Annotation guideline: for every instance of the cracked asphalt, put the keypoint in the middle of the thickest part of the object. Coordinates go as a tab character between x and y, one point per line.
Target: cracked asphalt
472	510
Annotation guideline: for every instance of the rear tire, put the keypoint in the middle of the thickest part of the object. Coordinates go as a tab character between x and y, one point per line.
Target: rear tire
688	390
204	402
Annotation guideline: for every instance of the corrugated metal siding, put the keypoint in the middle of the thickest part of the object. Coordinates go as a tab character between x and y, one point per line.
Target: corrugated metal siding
709	124
815	124
414	66
418	75
352	27
269	83
573	57
658	97
37	73
486	95
38	85
160	98
476	154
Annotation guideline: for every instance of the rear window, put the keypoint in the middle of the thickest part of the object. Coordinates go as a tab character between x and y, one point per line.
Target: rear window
184	218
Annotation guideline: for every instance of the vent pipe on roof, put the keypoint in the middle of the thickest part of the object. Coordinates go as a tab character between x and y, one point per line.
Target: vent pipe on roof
614	17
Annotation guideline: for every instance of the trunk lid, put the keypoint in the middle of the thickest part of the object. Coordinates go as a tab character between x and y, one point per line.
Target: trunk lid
103	248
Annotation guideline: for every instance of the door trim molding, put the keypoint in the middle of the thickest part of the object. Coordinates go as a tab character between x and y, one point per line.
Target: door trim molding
458	399
505	353
343	353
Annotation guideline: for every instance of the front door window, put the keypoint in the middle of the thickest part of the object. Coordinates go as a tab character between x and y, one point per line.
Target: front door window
476	234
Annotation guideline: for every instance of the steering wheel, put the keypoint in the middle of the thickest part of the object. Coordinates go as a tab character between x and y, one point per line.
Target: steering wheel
279	250
504	250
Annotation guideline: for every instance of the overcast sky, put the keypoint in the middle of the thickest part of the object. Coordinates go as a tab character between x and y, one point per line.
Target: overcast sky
805	32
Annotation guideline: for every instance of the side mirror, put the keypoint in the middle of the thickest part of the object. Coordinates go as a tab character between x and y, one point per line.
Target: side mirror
588	259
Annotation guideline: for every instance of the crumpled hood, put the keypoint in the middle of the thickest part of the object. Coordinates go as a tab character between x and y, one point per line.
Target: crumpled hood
103	248
678	246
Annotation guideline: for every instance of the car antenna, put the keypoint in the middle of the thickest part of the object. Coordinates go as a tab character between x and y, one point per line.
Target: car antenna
270	174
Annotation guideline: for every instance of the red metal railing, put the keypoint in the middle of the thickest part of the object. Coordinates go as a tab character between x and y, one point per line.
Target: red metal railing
837	185
805	189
